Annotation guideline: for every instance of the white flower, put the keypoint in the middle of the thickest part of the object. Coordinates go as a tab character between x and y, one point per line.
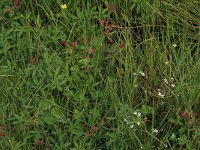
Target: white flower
134	73
165	80
161	95
173	85
166	63
132	126
173	135
172	79
154	130
142	73
174	45
137	113
158	90
138	123
127	122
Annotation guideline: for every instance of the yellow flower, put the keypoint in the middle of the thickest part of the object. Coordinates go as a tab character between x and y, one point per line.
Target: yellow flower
64	6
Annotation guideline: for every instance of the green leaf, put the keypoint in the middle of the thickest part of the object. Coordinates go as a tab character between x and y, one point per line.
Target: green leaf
49	119
45	104
147	109
57	112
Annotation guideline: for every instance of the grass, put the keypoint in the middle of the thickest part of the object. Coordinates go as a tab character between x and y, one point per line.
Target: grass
99	75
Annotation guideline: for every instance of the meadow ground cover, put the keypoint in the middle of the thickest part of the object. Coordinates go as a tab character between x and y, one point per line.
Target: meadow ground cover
94	74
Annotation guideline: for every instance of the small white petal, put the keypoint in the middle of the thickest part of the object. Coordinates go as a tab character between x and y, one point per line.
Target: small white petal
154	130
173	85
138	123
160	94
137	113
132	126
142	73
165	80
166	63
174	45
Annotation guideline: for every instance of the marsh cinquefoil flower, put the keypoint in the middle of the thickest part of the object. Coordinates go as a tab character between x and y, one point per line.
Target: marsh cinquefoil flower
16	3
63	43
91	51
74	43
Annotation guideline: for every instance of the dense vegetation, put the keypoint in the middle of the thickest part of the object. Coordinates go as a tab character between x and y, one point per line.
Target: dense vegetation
89	74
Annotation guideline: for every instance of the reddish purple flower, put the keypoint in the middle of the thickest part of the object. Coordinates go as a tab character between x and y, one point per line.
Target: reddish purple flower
121	45
185	114
63	43
33	59
93	128
74	43
110	27
102	22
91	51
16	3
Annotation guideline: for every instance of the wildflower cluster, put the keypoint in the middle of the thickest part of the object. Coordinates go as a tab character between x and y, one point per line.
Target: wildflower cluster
160	94
134	120
140	72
